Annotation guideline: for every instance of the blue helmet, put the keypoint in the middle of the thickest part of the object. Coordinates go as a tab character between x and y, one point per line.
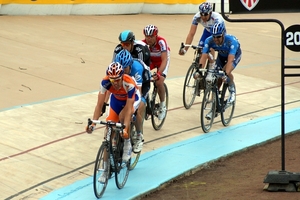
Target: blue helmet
124	58
205	8
217	29
126	36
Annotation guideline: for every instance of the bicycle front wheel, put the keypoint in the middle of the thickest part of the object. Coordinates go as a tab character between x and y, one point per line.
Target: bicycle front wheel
101	168
190	87
121	168
155	102
134	156
227	108
208	109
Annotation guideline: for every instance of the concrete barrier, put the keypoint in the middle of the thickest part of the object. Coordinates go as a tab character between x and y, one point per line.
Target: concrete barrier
98	7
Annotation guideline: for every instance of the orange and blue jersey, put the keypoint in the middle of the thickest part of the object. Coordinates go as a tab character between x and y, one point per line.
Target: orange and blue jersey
128	89
119	97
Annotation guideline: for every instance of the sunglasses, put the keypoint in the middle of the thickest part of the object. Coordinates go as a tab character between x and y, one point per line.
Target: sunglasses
217	36
125	44
204	14
112	80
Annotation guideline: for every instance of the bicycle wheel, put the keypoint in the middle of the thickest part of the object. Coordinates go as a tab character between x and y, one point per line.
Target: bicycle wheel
190	87
121	168
156	123
227	108
208	109
99	168
134	156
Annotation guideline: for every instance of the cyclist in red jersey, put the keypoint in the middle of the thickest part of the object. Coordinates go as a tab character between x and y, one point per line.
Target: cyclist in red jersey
159	59
124	100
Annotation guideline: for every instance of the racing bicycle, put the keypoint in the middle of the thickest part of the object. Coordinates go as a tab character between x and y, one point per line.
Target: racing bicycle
193	87
152	105
112	156
215	101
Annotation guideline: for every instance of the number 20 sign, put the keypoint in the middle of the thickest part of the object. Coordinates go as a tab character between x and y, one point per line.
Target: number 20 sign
292	38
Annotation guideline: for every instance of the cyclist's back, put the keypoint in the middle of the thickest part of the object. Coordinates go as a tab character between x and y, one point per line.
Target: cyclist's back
137	48
139	67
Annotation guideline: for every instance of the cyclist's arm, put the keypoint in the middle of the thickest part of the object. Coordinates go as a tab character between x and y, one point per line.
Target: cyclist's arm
164	61
98	108
203	59
107	96
229	63
128	109
190	36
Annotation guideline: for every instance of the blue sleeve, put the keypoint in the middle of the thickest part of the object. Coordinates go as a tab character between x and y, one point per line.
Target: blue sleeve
137	72
207	45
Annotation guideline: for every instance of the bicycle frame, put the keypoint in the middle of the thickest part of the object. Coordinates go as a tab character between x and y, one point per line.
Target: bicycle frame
215	101
152	106
109	158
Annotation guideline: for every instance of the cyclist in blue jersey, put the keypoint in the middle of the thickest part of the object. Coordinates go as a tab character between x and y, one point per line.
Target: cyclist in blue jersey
141	73
229	54
207	18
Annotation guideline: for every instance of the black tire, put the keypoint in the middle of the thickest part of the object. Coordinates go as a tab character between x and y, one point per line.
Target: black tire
156	123
134	156
121	169
227	108
99	188
190	87
208	105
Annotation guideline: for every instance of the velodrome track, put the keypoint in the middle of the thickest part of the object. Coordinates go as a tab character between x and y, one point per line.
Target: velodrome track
50	71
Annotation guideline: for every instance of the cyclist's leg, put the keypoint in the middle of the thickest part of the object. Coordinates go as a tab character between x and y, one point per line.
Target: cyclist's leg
126	118
204	36
138	138
161	93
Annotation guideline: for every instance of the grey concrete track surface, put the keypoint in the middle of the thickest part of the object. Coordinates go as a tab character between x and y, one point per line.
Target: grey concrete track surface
50	70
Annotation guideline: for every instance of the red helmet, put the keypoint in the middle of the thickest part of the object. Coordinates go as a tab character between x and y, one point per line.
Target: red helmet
150	30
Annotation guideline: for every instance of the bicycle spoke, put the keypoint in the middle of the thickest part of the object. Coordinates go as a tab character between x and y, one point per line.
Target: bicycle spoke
208	108
190	88
228	108
134	156
98	183
155	101
121	168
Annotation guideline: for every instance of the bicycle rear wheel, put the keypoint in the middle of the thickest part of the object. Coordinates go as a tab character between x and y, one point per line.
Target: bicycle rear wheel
99	168
190	87
155	101
134	156
121	168
208	109
227	108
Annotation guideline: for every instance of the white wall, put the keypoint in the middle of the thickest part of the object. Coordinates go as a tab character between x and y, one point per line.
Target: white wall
100	9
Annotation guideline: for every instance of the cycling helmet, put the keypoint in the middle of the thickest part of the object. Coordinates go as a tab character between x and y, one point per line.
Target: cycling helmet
205	8
114	70
217	29
124	58
150	30
126	36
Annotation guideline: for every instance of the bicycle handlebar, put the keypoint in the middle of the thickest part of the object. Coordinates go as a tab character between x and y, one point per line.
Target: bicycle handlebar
215	71
109	123
190	45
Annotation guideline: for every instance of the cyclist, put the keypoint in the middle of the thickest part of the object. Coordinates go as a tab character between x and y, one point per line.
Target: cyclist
124	100
229	54
137	69
137	48
207	18
160	59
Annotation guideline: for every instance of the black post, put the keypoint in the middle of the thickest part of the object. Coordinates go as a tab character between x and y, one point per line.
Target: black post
278	180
